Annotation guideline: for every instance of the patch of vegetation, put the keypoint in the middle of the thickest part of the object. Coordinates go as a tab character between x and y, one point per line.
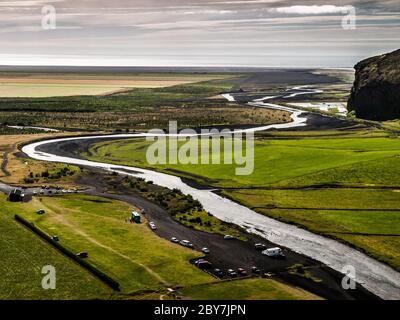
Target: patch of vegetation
5	130
53	175
302	271
183	208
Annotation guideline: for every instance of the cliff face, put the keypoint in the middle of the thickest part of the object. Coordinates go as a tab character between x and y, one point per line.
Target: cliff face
376	91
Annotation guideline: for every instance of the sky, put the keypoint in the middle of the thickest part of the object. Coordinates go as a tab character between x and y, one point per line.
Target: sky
247	33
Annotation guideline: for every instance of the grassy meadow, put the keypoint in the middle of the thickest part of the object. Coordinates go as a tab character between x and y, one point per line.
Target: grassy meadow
276	162
23	255
129	253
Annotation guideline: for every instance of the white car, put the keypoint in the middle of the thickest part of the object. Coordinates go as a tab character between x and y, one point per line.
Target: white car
174	240
152	226
274	252
205	250
186	243
228	237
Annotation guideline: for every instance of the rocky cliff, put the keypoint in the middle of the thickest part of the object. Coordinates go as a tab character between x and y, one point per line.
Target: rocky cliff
376	91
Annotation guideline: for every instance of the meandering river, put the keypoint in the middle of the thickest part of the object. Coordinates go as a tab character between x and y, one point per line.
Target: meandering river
377	277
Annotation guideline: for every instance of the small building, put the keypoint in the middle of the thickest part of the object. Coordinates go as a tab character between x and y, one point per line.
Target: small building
16	195
135	217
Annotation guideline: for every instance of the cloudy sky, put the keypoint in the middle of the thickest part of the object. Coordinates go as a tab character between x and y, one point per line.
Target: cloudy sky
307	33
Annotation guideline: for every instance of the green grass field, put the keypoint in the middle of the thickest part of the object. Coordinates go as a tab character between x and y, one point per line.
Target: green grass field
368	219
23	255
277	161
343	187
247	289
129	253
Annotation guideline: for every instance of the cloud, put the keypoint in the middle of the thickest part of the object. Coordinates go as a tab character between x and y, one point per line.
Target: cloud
324	9
29	3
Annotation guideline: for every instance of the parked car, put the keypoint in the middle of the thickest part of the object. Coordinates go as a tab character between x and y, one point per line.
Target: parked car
40	211
218	272
259	246
55	238
242	272
255	270
152	226
274	252
228	237
82	254
174	240
204	264
197	261
205	250
232	273
186	243
16	195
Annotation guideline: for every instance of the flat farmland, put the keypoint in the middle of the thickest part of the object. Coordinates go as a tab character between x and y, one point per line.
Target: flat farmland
40	85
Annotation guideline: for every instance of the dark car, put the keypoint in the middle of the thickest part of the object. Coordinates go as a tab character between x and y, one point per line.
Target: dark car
232	273
260	246
218	272
82	254
204	264
242	272
255	270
